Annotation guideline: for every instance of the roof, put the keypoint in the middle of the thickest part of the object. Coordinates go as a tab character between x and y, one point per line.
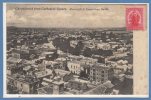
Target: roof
27	68
24	47
20	51
14	60
44	83
61	59
97	90
62	72
48	53
48	45
100	65
58	82
45	90
81	80
75	81
74	61
25	79
124	67
108	84
47	80
50	62
43	74
120	61
121	75
103	44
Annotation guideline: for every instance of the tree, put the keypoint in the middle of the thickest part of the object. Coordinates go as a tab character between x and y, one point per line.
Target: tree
54	56
77	50
87	52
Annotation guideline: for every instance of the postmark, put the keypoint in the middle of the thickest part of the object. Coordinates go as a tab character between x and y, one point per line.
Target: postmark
134	19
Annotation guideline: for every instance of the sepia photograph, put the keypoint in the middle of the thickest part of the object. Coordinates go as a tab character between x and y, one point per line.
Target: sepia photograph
76	50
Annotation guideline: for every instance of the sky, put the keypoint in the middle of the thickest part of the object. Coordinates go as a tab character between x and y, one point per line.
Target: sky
23	15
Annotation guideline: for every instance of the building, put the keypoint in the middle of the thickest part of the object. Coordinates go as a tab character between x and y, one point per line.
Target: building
45	90
89	44
51	64
73	43
63	63
24	52
77	85
47	47
120	69
83	64
51	87
121	50
99	90
103	46
12	60
105	88
58	87
74	67
14	65
100	73
64	75
47	54
13	69
24	84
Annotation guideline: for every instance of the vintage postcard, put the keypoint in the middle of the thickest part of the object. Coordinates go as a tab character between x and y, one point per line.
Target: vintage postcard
76	50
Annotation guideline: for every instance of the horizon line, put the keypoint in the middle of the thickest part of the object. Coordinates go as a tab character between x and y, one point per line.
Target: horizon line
65	27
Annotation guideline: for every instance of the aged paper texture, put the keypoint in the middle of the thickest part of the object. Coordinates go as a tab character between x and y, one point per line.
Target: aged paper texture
76	50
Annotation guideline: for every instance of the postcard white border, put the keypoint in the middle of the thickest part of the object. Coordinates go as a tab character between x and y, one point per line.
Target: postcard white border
5	95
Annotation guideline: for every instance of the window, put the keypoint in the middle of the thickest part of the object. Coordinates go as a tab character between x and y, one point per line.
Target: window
15	83
102	71
21	85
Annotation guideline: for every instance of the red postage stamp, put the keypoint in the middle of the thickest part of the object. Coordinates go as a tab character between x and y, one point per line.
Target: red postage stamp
134	19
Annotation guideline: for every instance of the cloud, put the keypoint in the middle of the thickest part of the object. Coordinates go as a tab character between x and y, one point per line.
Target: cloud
12	17
55	18
22	19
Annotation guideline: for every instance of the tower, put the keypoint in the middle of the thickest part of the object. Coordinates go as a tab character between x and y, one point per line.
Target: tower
58	87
